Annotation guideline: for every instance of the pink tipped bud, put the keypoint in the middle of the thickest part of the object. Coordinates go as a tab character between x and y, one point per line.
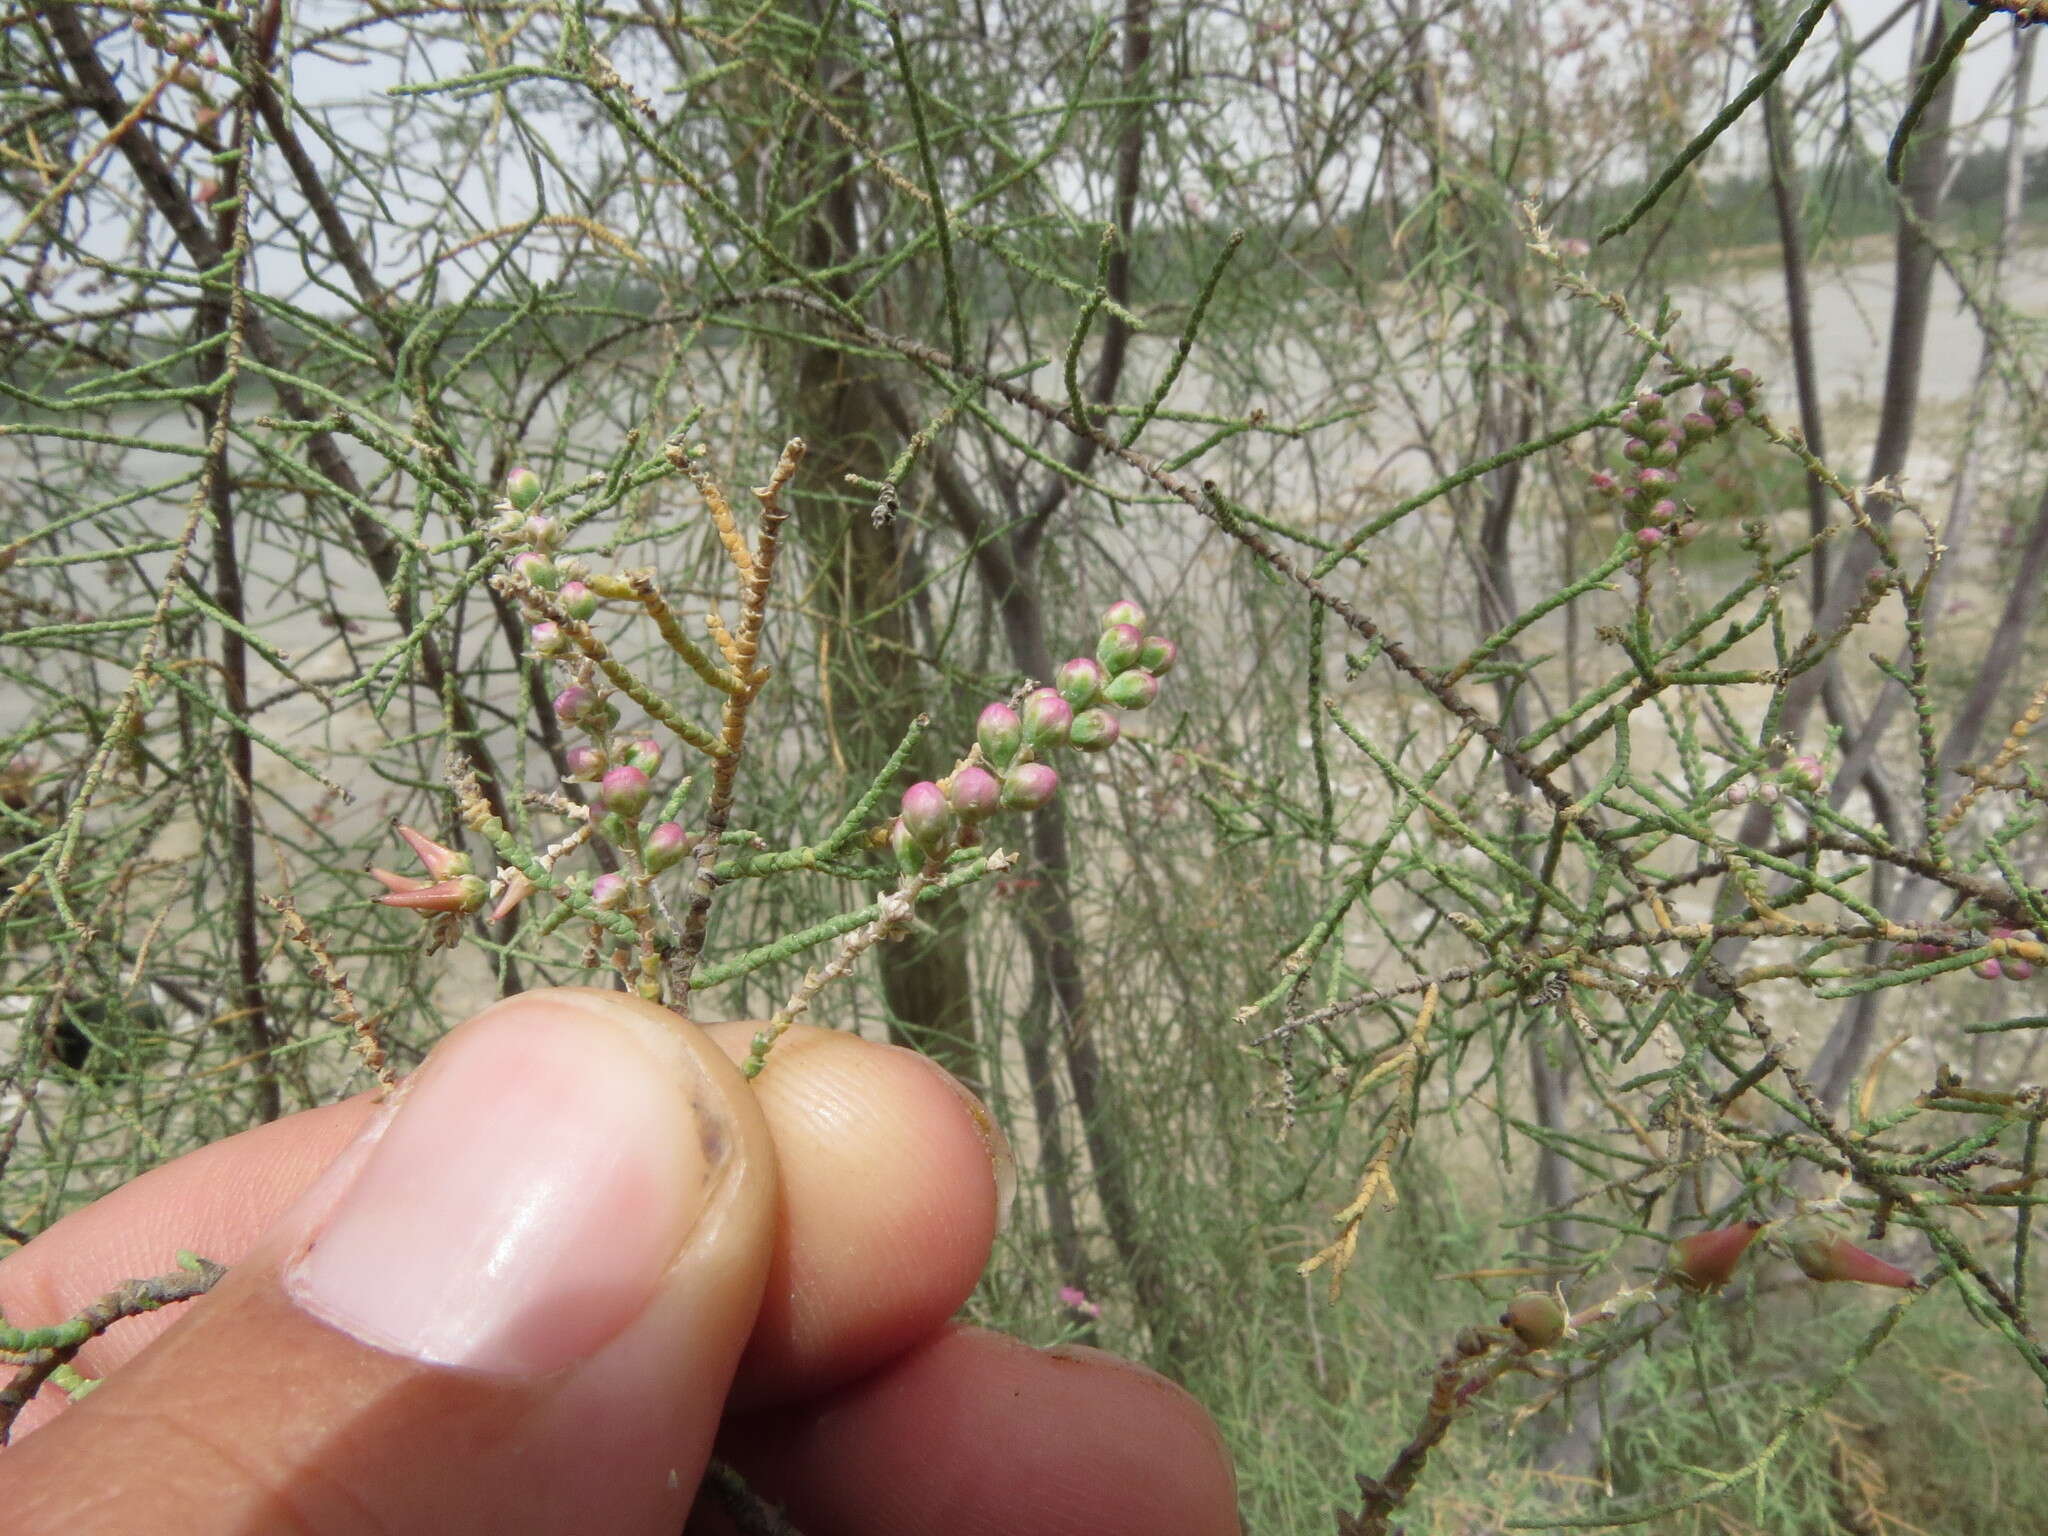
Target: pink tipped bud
574	704
1048	720
1095	730
1698	425
1649	538
909	857
585	764
1804	772
929	817
1656	479
548	639
644	754
1080	681
1028	786
522	488
1537	1318
625	790
1635	450
1000	733
442	863
1737	793
1987	970
1664	453
578	601
1603	482
543	533
974	794
1119	648
1743	381
608	892
1662	511
464	893
2016	969
1733	412
1824	1254
1770	794
1124	612
1132	690
517	889
538	569
1706	1261
1159	655
665	844
1649	404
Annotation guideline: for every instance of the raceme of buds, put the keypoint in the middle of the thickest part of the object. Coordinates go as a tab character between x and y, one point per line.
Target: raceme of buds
522	488
928	817
1119	648
1124	612
1095	730
1048	719
1132	690
1080	681
1824	1254
586	764
1706	1261
1028	786
665	844
625	790
608	892
1159	655
1000	733
1537	1318
974	794
578	601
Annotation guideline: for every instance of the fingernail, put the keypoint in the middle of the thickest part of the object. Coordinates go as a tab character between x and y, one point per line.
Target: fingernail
537	1179
1002	1161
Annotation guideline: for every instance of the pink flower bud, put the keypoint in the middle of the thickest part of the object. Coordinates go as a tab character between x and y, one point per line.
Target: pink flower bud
548	639
974	794
665	844
608	892
1159	655
464	893
543	533
1080	681
1824	1254
1656	479
441	862
1987	970
1737	793
1733	412
522	488
585	764
1649	538
625	790
1635	450
1095	730
644	754
538	569
1119	648
1805	772
1124	612
574	703
1706	1261
517	889
909	857
1713	401
1048	719
929	817
1698	425
1649	404
1662	511
1000	733
1743	381
2016	969
207	192
1603	482
1770	794
1132	690
578	601
1028	786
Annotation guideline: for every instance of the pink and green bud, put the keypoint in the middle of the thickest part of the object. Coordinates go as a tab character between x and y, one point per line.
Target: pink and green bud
909	857
517	889
442	863
1048	720
1119	648
1804	772
1988	970
543	533
538	569
608	892
1080	681
575	704
1124	612
974	794
1636	450
1649	538
1537	1318
1649	404
585	764
1095	730
2016	969
665	845
1699	426
1159	655
1706	1261
1132	690
1656	479
1824	1254
1000	733
522	488
548	639
1028	786
644	754
929	817
625	790
1770	794
1662	511
1603	482
1737	793
578	601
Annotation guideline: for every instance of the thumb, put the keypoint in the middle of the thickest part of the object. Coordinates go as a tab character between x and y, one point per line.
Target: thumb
514	1304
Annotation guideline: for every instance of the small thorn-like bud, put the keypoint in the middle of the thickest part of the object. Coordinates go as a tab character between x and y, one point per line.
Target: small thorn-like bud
1159	655
974	794
1080	681
1706	1261
578	601
1132	690
929	817
548	639
574	704
1095	730
585	764
1048	720
1029	786
522	488
538	569
608	892
1822	1253
1537	1318
517	889
1124	612
1119	648
1000	733
665	845
644	754
625	790
442	863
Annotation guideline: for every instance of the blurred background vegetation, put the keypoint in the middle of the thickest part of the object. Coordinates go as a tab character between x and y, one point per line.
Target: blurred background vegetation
1231	309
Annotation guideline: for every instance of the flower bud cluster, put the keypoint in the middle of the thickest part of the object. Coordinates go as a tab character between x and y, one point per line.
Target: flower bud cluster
1656	437
2005	967
1006	770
